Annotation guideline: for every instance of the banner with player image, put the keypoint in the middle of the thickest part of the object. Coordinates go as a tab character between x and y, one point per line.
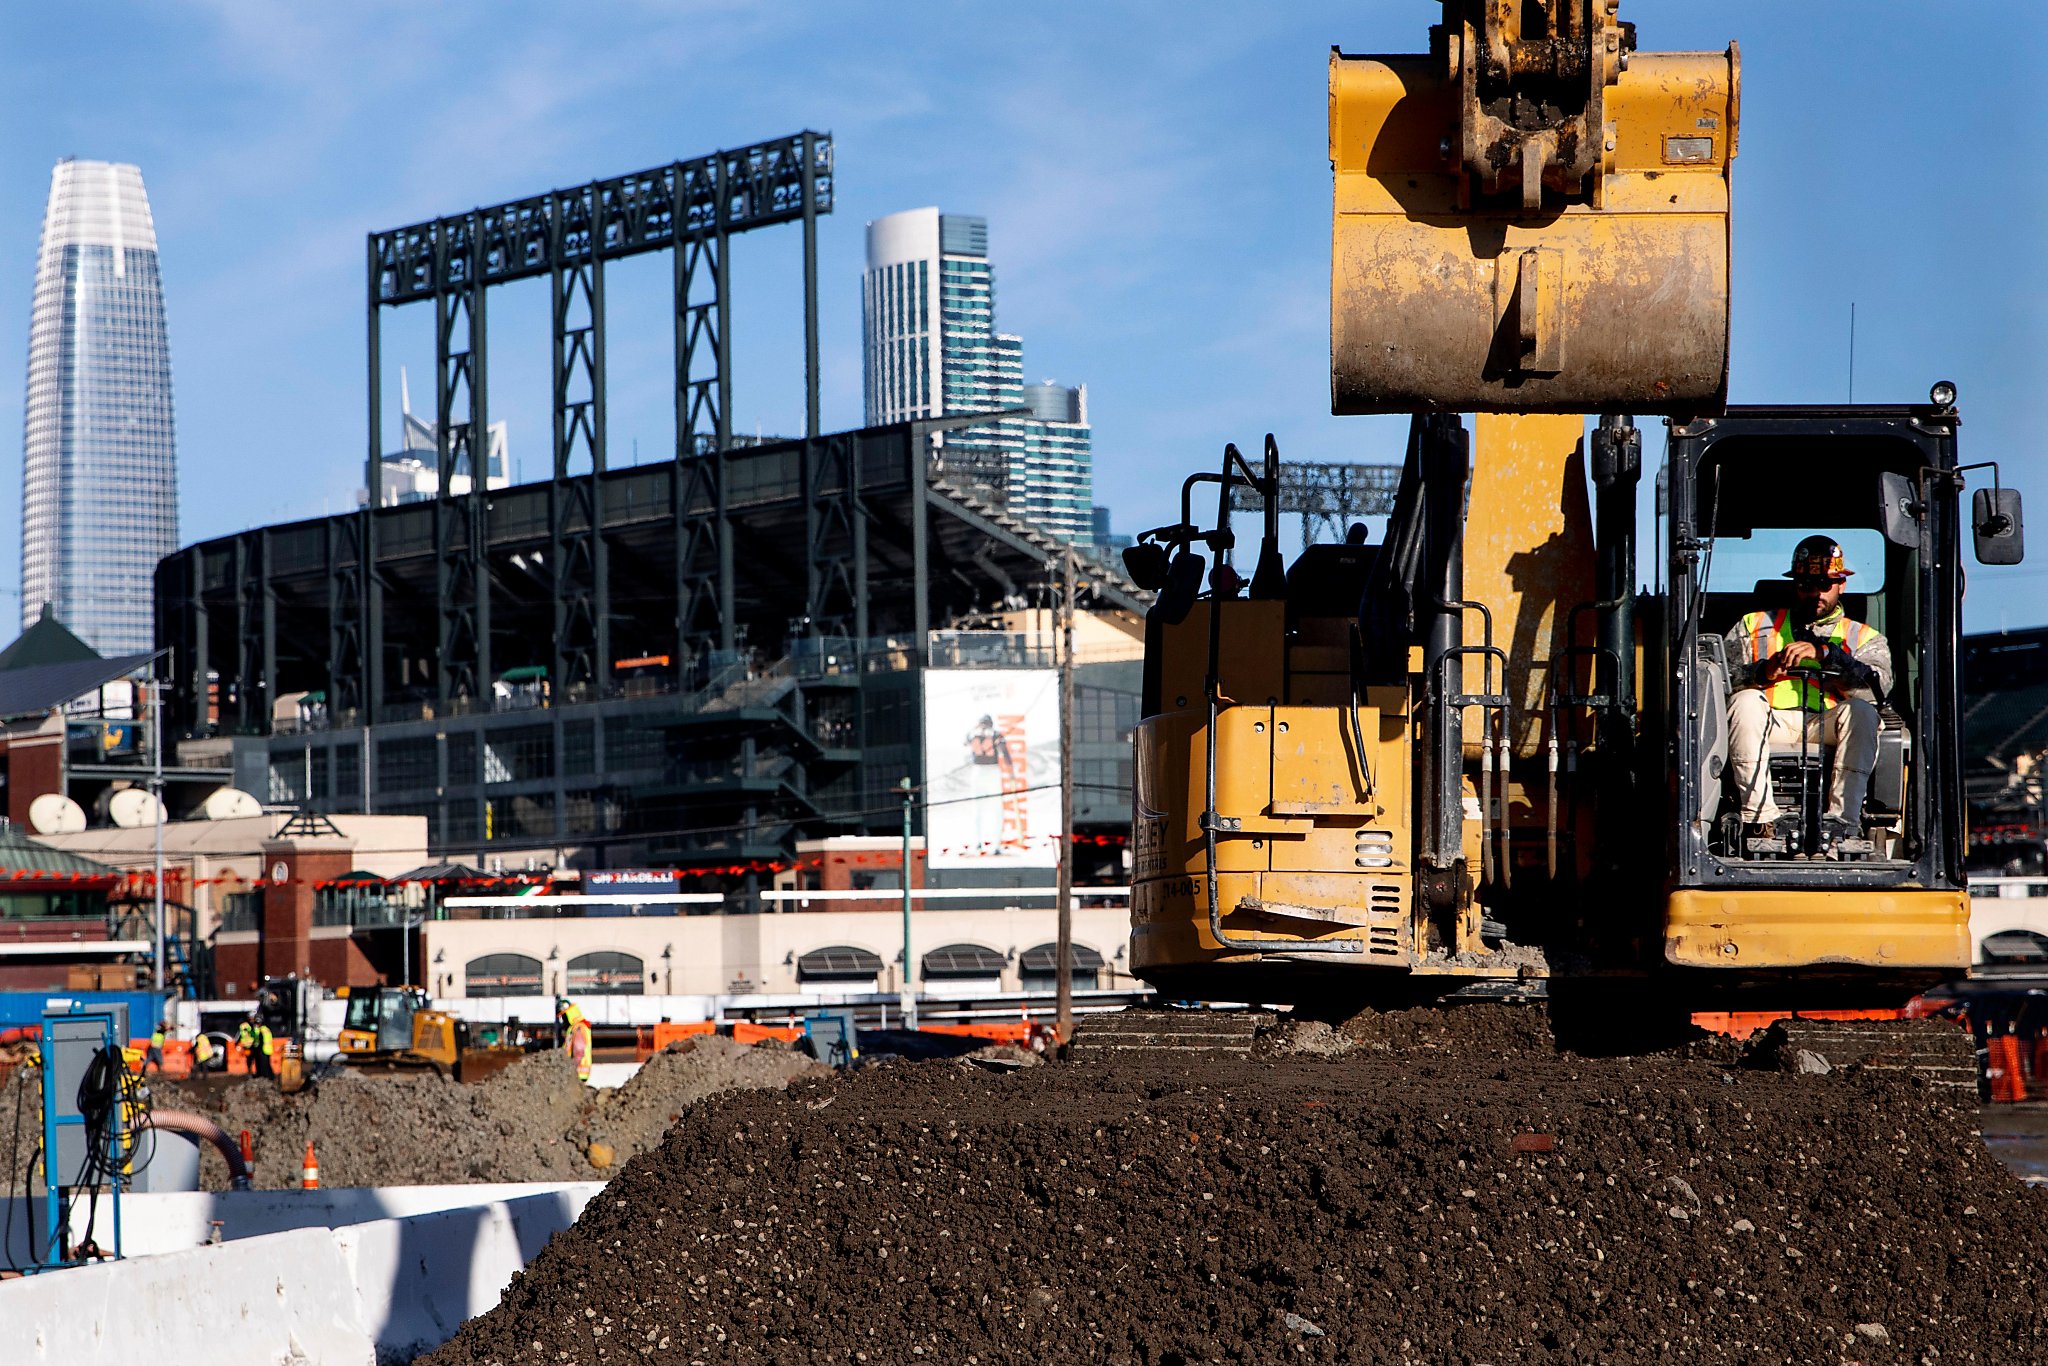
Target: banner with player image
992	768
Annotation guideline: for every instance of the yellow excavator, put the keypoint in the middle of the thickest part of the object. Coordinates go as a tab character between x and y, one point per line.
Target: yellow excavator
1475	759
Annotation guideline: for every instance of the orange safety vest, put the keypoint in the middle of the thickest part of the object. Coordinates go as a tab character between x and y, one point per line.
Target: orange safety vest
1770	632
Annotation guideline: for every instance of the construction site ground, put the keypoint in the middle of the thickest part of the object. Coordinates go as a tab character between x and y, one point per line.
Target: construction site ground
1410	1187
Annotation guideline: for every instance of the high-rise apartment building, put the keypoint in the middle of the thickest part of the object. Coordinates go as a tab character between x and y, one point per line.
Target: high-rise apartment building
930	349
99	480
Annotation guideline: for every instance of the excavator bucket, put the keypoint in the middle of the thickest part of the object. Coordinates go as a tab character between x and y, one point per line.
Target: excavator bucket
1532	218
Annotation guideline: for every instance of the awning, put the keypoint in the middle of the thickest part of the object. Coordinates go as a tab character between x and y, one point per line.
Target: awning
42	688
1045	959
963	960
839	963
442	872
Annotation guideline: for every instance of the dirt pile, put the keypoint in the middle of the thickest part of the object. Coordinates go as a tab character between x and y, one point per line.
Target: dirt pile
1476	1200
21	1125
634	1117
532	1122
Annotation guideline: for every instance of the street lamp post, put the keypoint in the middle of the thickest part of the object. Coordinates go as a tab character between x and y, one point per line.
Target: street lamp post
909	978
156	791
1064	953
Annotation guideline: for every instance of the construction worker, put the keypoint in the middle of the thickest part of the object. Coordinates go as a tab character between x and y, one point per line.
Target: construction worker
153	1060
575	1035
202	1051
1806	674
256	1038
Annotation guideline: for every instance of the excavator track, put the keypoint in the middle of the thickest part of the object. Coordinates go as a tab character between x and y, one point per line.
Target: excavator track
1936	1051
1164	1034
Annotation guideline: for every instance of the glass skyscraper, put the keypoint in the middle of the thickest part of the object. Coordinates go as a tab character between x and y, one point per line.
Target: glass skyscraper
99	479
930	349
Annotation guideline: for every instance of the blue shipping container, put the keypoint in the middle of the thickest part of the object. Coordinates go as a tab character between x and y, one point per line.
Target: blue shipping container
145	1008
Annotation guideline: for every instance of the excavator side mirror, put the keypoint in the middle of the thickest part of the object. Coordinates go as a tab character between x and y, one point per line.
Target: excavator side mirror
1898	510
1995	518
1147	565
1183	586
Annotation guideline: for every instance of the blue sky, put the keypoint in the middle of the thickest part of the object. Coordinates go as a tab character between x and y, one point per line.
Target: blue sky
1154	175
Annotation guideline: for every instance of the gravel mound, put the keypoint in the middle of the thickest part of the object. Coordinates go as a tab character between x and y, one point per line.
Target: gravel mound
1460	1198
531	1122
633	1118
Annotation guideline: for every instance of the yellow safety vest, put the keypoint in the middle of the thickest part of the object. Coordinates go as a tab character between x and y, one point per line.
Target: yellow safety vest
1770	632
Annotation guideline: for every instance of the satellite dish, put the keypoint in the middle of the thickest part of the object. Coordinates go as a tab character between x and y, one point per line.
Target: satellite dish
132	808
228	803
53	813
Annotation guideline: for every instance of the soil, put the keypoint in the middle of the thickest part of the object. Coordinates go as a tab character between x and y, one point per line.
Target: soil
532	1122
633	1119
1406	1188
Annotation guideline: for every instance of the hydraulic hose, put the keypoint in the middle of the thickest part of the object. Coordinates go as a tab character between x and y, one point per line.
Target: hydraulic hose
199	1126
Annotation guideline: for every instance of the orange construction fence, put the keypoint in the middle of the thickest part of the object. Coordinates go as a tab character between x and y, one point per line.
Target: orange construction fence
1018	1032
1740	1024
744	1031
657	1037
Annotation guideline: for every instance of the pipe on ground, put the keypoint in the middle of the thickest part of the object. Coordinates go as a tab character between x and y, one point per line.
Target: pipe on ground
199	1126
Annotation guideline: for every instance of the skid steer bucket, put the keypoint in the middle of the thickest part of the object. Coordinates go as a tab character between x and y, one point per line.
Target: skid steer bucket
1509	255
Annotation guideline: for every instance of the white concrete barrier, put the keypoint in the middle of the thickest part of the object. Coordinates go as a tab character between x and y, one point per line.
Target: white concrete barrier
612	1074
174	1221
282	1298
376	1291
419	1278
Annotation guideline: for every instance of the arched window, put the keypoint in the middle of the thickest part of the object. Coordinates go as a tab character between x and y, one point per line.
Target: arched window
956	962
841	963
502	974
607	974
1039	968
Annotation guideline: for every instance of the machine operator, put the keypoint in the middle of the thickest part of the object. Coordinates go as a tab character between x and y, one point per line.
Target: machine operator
1807	666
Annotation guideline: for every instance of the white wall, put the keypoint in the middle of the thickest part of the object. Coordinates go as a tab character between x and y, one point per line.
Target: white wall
718	955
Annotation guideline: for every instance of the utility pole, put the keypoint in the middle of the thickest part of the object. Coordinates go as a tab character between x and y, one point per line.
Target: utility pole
1065	951
909	1002
156	788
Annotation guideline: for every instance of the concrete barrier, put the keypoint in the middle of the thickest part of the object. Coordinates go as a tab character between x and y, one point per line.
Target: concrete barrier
611	1074
419	1278
174	1221
376	1291
282	1298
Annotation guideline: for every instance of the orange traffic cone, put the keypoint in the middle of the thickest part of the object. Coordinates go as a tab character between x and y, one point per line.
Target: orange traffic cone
2002	1068
309	1170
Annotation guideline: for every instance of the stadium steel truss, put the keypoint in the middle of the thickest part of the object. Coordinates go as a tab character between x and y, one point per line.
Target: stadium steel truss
690	209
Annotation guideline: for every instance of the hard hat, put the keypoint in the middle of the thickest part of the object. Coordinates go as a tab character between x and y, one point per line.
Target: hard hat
1818	557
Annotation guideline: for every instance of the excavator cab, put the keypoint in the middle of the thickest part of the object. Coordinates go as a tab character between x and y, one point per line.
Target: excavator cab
1884	484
